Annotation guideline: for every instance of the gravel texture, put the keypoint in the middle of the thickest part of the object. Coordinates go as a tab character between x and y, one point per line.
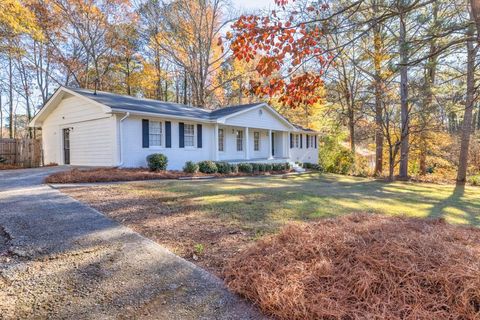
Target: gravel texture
62	259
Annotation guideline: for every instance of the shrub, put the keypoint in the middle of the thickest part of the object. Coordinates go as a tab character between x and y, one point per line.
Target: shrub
262	167
255	167
223	167
190	167
288	166
207	166
333	156
474	180
234	168
2	160
312	166
157	162
245	167
278	167
268	167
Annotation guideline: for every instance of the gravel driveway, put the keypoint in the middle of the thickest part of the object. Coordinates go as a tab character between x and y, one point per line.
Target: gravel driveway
62	259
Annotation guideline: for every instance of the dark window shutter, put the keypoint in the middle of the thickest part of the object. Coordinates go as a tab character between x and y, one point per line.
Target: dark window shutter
145	134
301	140
168	134
199	136
308	142
315	142
291	140
181	135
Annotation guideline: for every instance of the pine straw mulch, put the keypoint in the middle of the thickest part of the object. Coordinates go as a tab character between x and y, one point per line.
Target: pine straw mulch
133	174
4	166
363	267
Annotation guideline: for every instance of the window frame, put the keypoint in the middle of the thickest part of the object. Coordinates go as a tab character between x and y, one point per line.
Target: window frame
160	134
256	141
185	135
239	139
221	140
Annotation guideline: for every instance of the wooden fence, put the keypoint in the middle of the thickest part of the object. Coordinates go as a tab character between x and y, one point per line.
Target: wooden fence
26	153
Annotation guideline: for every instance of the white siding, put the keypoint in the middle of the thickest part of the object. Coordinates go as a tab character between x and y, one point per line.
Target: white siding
92	135
135	156
256	119
304	154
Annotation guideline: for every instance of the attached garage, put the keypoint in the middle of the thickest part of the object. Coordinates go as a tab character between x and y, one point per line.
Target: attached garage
77	131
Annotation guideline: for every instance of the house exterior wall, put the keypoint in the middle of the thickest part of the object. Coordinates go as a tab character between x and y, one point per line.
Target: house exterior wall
92	134
134	155
99	138
304	154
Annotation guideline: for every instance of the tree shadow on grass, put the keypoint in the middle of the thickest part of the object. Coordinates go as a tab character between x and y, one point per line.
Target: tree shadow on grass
457	202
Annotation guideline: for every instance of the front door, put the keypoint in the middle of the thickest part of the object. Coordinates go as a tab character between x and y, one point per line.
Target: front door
273	144
66	146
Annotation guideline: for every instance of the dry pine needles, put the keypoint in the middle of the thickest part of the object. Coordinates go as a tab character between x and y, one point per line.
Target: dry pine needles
363	267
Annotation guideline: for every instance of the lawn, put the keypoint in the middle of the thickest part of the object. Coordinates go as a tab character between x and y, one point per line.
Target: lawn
209	221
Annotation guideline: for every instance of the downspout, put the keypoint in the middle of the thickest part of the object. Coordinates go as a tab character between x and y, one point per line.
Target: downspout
120	137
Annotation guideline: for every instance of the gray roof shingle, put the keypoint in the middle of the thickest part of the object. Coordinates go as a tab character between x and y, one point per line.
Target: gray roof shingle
129	103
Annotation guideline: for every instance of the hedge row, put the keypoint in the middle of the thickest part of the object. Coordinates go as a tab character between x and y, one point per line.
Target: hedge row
226	168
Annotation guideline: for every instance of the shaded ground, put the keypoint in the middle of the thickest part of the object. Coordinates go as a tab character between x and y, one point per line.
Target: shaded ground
209	221
64	260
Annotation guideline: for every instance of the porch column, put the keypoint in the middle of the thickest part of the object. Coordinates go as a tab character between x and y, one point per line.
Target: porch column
287	144
270	155
247	144
215	142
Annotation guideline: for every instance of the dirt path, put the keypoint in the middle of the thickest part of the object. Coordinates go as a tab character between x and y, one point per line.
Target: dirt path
62	259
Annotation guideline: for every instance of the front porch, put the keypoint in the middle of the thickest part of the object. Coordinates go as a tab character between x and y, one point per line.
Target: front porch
246	144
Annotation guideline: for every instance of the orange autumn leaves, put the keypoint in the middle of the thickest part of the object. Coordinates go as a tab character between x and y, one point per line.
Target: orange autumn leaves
288	54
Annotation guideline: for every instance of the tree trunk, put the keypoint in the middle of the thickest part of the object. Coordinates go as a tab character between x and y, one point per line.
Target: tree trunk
404	144
378	102
467	117
185	84
1	116
10	97
429	81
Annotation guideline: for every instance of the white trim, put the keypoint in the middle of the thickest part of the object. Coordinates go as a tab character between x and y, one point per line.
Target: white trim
162	115
260	105
51	101
120	134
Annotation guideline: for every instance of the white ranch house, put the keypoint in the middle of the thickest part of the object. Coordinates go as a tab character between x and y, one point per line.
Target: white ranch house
81	127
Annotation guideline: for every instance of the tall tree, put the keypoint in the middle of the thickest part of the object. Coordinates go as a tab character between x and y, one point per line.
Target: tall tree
472	48
405	116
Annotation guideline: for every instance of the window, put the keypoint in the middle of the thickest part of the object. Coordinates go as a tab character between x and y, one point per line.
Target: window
297	140
312	141
155	133
256	141
221	142
239	140
189	135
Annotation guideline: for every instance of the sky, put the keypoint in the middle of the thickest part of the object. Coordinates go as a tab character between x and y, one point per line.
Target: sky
252	4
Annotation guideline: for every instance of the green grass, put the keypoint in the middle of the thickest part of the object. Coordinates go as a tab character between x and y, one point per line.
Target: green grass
266	203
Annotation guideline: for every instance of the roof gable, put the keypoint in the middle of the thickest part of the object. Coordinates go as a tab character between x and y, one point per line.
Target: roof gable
53	102
262	116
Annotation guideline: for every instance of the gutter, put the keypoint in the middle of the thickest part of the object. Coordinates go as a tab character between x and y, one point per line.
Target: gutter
120	137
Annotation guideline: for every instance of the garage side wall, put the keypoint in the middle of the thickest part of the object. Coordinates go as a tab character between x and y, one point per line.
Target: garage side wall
92	134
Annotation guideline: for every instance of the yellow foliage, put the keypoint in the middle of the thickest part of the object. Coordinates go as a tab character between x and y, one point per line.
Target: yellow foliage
16	19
